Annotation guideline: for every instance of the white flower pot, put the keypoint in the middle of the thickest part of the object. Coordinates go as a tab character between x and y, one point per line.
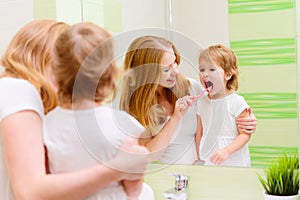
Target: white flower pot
274	197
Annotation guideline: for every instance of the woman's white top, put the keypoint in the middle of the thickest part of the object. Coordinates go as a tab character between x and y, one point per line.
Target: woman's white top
16	95
79	139
219	128
182	148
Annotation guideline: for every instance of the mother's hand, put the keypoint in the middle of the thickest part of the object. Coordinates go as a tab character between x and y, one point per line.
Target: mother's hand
183	103
247	124
131	160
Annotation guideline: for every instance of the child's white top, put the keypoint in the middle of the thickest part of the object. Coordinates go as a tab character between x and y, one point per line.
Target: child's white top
16	95
84	138
219	127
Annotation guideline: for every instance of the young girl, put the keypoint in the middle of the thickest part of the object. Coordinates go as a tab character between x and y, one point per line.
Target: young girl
82	130
222	143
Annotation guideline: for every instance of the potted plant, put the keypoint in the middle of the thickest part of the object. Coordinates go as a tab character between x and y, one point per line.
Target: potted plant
282	178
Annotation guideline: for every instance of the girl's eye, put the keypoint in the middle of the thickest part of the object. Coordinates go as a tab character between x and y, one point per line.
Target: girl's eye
166	70
201	70
212	69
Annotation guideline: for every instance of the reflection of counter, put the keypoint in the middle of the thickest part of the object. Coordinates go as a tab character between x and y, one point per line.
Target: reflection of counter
208	183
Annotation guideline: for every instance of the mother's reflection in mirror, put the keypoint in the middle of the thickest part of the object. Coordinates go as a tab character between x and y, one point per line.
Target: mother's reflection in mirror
162	99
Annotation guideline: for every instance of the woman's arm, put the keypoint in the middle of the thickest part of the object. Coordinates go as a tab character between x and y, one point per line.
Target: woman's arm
25	158
247	123
159	142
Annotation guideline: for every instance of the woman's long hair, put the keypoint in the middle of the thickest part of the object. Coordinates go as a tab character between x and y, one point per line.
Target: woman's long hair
28	56
142	74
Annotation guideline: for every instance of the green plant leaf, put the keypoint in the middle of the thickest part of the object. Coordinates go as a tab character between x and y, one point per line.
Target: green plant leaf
282	177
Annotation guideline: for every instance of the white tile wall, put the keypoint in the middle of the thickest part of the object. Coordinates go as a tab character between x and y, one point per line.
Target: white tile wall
13	14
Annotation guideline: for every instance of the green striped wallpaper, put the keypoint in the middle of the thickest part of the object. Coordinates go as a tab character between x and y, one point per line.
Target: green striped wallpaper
263	36
246	6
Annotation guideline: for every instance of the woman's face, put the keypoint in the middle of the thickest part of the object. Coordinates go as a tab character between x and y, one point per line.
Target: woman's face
169	70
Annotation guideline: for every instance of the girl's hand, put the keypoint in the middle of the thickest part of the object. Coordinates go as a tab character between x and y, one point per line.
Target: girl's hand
219	156
199	162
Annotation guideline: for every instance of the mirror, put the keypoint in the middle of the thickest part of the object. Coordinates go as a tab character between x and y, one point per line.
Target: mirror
262	34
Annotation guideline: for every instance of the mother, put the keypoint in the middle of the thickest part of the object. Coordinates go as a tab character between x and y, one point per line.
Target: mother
25	96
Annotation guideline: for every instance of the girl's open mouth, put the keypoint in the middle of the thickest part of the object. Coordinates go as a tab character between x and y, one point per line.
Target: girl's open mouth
209	86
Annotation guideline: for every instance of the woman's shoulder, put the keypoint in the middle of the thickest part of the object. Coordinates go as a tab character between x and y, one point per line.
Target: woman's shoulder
18	94
18	87
10	81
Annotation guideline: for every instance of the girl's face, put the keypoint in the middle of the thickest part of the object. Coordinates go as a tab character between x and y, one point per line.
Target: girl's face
169	70
210	71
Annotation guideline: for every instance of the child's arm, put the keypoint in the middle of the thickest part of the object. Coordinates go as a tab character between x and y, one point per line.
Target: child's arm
198	137
132	188
241	140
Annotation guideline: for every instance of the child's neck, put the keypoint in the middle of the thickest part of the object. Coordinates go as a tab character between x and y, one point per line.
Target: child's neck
220	95
81	105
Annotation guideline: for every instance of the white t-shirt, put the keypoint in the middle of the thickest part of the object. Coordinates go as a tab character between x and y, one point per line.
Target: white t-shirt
16	95
219	128
182	148
84	138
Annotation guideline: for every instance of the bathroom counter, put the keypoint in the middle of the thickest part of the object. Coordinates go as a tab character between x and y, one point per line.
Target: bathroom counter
208	183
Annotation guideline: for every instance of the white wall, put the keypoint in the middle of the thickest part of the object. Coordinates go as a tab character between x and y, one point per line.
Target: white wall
204	21
69	11
198	24
13	14
143	14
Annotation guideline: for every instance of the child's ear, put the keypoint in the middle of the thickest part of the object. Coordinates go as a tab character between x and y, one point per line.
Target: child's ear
50	77
228	76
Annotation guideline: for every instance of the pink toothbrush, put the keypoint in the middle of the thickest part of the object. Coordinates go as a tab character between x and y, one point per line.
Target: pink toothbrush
201	94
208	85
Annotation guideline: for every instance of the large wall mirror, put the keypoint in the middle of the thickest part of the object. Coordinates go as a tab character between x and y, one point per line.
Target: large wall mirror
264	36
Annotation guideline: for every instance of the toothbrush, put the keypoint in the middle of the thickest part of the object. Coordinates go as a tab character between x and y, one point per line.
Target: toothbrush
201	94
208	85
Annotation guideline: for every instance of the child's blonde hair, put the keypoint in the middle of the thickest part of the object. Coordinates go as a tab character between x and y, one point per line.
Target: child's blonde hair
83	64
225	58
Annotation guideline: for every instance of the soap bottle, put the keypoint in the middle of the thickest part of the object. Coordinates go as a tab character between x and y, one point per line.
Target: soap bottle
181	189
